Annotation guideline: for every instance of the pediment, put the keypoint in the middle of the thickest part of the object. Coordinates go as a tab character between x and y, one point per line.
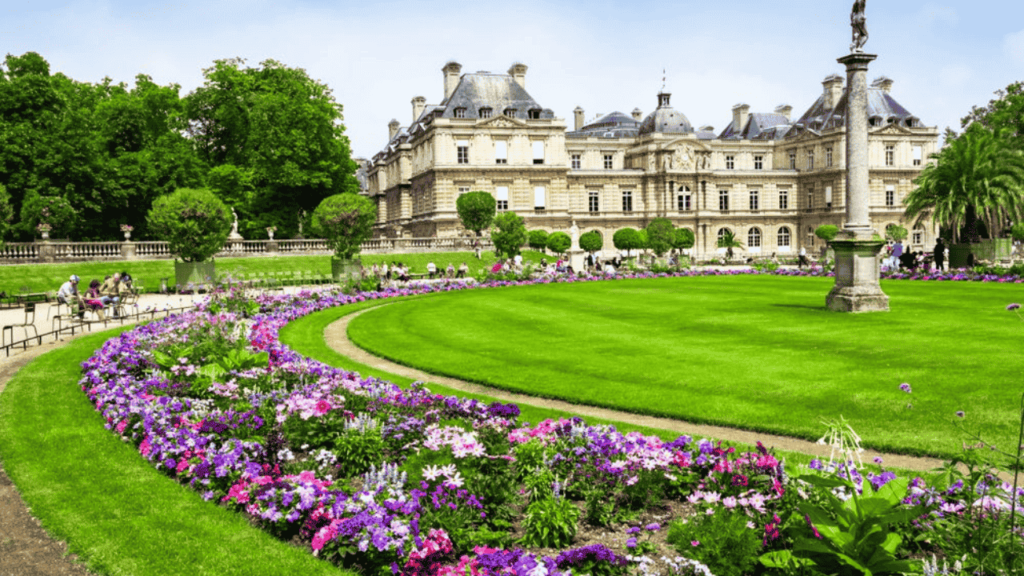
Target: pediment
501	121
692	143
894	129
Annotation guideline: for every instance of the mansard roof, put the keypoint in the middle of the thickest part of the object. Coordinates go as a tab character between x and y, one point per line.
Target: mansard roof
883	109
614	125
760	126
499	92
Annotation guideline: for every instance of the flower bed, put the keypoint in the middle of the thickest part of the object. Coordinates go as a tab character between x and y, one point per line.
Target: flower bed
389	480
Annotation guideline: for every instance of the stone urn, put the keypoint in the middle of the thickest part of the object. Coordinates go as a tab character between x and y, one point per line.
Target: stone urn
46	234
270	233
127	236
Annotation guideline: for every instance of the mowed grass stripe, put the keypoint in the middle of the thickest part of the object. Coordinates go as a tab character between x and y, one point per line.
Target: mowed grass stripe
758	353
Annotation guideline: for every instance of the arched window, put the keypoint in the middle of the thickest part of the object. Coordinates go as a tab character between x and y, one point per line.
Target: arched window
754	238
784	237
722	232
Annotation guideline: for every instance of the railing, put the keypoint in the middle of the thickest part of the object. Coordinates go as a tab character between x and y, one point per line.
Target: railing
30	252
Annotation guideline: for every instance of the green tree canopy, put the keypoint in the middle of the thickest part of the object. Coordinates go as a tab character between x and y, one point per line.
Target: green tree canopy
896	232
346	220
194	222
537	239
591	241
1003	114
559	242
827	232
508	234
476	210
729	241
627	239
661	236
6	213
684	238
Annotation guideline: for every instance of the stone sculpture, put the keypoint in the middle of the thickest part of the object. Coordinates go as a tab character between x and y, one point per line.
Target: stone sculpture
858	21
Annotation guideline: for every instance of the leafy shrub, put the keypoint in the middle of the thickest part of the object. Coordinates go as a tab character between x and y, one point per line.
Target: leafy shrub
476	210
591	241
896	232
345	220
509	233
684	239
721	540
538	239
550	523
827	232
559	242
195	223
53	210
627	239
661	236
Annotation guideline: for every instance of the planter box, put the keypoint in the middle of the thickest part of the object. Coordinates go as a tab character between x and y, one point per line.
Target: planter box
201	275
958	254
345	270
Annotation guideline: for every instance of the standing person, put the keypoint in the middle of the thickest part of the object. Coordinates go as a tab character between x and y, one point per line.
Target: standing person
897	253
802	260
939	254
476	248
385	272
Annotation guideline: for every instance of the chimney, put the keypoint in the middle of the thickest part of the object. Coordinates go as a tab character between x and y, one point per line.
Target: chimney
418	104
637	115
392	129
884	83
786	110
518	73
578	112
833	90
740	115
451	78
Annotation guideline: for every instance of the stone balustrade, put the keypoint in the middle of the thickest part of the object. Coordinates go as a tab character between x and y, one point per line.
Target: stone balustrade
60	251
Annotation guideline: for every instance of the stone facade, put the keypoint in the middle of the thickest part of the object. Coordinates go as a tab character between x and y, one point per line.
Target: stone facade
770	179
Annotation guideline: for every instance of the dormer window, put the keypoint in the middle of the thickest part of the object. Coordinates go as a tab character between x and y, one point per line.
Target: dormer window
485	112
460	112
534	114
510	112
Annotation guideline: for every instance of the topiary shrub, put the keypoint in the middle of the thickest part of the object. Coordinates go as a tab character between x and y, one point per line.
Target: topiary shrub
538	240
627	239
346	221
684	238
476	210
509	234
559	242
827	232
661	235
591	241
194	222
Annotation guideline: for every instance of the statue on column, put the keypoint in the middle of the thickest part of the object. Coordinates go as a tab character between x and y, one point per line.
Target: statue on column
859	23
574	233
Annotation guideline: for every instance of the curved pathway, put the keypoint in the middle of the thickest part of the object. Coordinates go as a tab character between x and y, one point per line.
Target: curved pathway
336	336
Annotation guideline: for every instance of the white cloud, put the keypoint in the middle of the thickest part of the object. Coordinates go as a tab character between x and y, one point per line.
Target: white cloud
1013	46
933	13
955	75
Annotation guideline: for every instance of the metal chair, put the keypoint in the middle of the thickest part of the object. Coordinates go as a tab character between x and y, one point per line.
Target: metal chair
30	322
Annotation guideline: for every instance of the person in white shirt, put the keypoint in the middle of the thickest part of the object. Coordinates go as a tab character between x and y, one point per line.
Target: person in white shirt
431	270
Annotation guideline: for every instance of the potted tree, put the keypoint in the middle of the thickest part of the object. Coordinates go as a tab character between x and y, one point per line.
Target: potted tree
195	224
683	240
346	221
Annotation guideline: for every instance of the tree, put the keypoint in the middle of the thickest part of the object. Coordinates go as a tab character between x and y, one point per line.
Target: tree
346	221
194	222
591	241
476	210
896	232
279	126
53	210
559	242
661	236
1017	231
508	234
627	239
729	241
827	232
6	213
537	239
978	175
684	239
1003	113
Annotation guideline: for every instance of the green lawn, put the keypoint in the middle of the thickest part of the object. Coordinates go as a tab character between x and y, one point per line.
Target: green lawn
43	277
760	353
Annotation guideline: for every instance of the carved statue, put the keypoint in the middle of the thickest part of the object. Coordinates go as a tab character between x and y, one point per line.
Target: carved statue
574	232
234	225
859	23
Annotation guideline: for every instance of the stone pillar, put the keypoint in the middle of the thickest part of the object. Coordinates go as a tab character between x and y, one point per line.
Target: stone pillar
857	245
129	251
47	253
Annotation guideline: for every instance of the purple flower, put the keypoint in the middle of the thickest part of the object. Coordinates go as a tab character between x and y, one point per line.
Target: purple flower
631	543
905	387
1013	306
960	414
653	527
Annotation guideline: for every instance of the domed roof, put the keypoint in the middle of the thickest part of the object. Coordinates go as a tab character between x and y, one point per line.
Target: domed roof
665	119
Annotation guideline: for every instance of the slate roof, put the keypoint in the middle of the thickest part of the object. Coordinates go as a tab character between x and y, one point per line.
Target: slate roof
666	119
760	126
614	125
495	91
882	109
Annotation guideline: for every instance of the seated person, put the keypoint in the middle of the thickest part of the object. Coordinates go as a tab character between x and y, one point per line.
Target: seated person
111	291
450	271
93	299
462	270
69	296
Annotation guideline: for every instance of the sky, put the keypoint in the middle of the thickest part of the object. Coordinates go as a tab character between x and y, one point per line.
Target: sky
603	55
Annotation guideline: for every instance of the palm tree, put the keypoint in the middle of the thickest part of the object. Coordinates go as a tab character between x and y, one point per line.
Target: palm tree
977	176
729	241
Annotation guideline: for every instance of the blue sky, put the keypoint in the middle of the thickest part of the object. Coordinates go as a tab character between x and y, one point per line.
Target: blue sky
602	55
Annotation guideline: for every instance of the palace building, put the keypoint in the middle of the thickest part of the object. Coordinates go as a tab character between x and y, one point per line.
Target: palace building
769	178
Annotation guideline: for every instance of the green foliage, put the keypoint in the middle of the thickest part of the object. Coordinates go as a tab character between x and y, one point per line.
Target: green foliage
661	236
721	541
627	239
684	238
537	239
53	210
194	223
550	523
559	242
1003	113
6	213
827	232
1017	231
476	210
591	241
509	233
345	220
728	240
896	232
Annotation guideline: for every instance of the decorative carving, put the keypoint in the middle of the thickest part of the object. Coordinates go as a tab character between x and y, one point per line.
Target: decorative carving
683	160
858	21
704	161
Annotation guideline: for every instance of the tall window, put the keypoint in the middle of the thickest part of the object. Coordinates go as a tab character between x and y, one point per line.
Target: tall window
594	200
721	233
683	200
538	151
627	200
754	238
608	162
500	152
501	197
755	200
918	237
784	237
810	160
810	200
792	160
783	199
890	195
463	190
730	162
890	155
758	162
723	199
576	162
463	151
828	157
917	155
539	197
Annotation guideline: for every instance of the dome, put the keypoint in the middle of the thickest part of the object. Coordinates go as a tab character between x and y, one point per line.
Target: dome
665	119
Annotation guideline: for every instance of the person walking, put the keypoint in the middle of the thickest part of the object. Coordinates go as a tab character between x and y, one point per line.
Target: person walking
802	260
939	254
897	253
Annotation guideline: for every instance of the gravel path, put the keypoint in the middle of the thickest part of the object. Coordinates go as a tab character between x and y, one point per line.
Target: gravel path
336	335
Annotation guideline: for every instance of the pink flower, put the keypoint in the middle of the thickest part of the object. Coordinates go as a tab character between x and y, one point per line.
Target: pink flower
695	543
322	407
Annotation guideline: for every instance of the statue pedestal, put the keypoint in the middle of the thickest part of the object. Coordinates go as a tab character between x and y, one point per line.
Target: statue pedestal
578	260
857	272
